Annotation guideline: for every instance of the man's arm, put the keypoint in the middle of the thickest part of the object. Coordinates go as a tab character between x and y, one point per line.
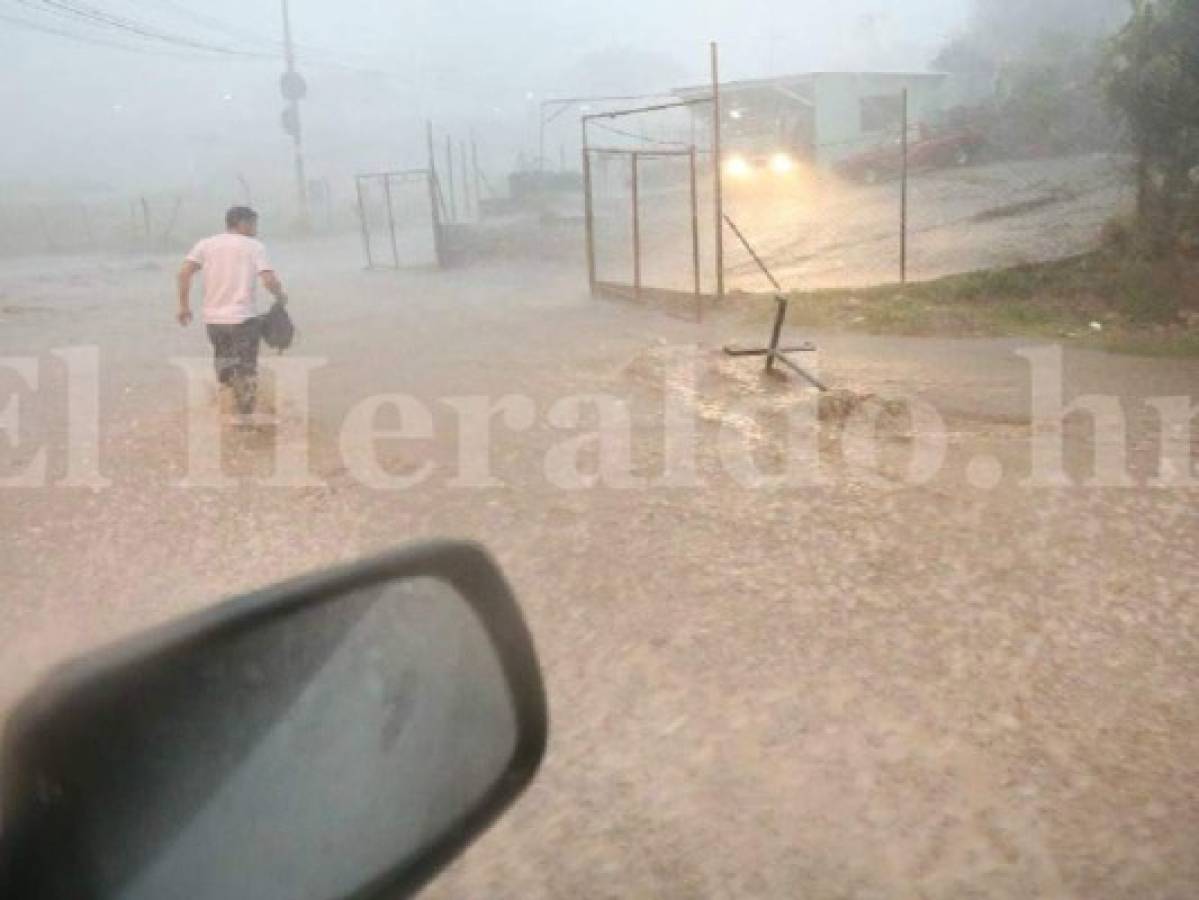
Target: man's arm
186	274
271	282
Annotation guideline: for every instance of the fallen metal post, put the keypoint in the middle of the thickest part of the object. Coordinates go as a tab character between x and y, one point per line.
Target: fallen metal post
757	259
773	352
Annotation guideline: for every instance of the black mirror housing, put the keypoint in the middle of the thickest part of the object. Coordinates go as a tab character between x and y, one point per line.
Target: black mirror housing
401	696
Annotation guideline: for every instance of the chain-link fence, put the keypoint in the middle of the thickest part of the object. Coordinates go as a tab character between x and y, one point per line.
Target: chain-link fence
154	221
650	210
401	216
147	223
873	209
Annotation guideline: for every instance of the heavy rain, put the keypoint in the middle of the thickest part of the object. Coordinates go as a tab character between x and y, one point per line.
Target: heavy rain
824	379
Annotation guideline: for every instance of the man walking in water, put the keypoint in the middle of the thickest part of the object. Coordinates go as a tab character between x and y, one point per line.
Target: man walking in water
232	263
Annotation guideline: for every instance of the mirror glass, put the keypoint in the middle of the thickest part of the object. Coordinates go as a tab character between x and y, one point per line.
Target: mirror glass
303	757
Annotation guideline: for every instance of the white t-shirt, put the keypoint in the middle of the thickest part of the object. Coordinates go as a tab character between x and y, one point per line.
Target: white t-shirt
231	264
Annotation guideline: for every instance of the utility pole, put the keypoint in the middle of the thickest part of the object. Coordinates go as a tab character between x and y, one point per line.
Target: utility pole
294	90
903	197
717	173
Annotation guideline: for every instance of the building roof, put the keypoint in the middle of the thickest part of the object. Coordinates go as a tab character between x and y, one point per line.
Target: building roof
797	80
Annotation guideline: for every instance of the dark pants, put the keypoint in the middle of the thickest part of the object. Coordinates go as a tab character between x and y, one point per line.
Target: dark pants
235	356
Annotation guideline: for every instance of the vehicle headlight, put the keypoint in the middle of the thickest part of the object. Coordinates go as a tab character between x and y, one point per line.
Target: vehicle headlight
737	167
781	163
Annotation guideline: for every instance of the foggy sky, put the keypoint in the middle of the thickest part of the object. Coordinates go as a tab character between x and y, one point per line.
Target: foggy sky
377	68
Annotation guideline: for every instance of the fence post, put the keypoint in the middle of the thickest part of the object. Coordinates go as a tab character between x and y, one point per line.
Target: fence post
391	222
699	309
146	222
439	247
463	166
474	162
588	212
636	230
366	235
717	173
903	199
449	176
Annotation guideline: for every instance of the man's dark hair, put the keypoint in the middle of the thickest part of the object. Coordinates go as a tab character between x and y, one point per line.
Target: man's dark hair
239	214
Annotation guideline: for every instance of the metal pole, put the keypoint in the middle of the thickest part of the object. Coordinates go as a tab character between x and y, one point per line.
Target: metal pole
146	221
366	235
289	57
429	141
903	199
776	331
588	212
717	172
699	310
439	249
541	136
438	200
757	259
462	162
391	221
474	161
636	230
449	175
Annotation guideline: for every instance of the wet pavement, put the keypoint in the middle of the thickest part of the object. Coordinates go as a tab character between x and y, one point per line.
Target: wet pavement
853	687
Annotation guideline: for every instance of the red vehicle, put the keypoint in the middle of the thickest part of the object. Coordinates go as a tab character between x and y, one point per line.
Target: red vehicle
929	150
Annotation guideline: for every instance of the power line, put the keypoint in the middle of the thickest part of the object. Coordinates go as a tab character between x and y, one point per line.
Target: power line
145	36
220	26
95	16
102	20
94	40
209	22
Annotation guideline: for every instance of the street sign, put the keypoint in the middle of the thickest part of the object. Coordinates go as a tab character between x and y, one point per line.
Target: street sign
293	86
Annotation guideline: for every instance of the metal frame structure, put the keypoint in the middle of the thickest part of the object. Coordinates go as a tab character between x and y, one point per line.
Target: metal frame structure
635	159
436	205
772	351
690	150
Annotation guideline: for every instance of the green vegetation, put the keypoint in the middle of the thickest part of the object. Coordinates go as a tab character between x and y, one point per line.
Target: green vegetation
1104	299
1152	78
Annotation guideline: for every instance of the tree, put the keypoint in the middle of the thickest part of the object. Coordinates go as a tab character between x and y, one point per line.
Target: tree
1152	76
1012	27
1043	57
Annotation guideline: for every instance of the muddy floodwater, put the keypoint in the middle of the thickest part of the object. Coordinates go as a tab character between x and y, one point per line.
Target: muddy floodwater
967	686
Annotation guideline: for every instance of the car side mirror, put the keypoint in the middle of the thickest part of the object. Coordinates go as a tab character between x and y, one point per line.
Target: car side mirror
341	735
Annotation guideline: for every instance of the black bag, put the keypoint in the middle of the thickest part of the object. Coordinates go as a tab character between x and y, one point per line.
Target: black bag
278	331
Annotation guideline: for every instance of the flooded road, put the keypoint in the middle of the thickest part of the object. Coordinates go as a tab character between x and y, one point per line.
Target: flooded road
861	685
816	230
